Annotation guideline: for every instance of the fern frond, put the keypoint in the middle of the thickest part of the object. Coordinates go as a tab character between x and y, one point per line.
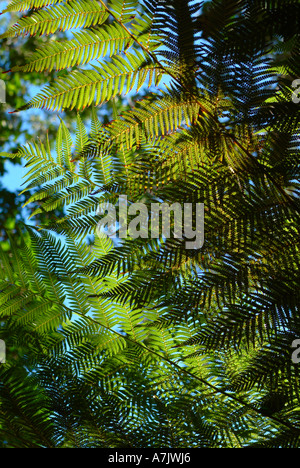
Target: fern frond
82	88
61	17
124	9
166	346
22	5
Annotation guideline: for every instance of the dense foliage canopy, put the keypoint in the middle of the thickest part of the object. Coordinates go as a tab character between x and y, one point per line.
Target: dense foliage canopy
142	342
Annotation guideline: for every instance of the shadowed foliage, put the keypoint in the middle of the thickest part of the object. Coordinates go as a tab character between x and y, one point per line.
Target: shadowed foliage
144	342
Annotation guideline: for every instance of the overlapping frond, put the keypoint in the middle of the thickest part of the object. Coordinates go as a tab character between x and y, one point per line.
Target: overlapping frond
86	46
96	352
61	17
116	327
23	5
82	88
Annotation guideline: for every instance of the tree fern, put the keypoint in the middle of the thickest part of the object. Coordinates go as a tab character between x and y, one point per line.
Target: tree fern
59	18
143	342
82	88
